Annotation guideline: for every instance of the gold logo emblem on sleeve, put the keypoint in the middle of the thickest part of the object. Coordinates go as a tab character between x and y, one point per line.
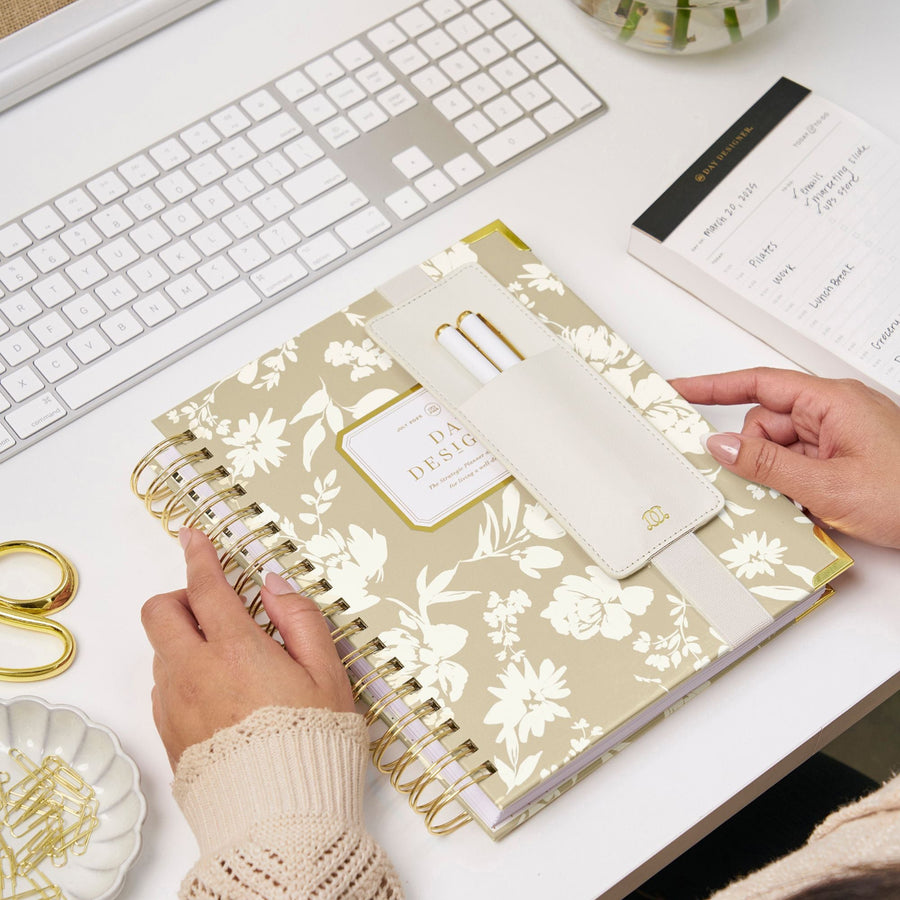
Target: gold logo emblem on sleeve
654	516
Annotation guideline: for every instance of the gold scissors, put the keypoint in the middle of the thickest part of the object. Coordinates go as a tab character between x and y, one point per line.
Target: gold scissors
31	613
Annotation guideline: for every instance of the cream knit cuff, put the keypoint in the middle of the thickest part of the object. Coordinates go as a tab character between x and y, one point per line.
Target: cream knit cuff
277	761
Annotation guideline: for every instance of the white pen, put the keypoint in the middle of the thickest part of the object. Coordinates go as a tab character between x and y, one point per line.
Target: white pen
466	353
488	340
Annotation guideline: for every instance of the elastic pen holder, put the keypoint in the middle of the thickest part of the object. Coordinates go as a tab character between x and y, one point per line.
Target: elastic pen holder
617	486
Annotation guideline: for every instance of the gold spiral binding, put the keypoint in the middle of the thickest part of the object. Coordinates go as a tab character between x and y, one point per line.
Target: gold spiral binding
228	558
204	508
476	776
353	627
438	733
222	525
431	773
184	438
176	504
359	686
380	747
371	715
340	605
304	567
359	653
322	586
158	488
254	568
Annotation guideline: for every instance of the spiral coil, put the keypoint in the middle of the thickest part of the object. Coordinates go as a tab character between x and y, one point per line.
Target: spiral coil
178	492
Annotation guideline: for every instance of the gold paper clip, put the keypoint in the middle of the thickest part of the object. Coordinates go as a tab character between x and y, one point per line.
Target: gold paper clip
31	613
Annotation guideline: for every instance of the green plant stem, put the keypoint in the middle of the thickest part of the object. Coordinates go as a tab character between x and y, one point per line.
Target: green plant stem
773	7
732	24
635	11
682	21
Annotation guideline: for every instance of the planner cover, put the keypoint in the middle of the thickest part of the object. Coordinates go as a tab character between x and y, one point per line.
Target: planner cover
508	650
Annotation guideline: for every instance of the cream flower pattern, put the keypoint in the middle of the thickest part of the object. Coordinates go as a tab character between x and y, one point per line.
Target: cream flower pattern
754	554
364	358
257	442
598	604
527	701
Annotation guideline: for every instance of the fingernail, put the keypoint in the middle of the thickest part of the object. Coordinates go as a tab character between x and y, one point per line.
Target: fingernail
723	447
184	537
277	585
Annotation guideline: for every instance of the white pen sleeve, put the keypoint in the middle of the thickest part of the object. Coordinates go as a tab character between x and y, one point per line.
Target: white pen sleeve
596	464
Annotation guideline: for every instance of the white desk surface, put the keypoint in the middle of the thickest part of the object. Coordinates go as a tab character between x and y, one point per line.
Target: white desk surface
573	204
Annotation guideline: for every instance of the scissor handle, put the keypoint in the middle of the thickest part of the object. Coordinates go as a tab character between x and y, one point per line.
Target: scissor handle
60	597
16	618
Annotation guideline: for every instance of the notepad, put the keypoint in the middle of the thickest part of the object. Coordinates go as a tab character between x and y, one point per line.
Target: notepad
789	224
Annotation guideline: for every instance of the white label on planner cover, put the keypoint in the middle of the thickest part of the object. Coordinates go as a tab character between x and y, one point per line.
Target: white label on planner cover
418	456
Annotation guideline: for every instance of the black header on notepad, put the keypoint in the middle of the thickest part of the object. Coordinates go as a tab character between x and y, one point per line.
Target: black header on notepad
708	170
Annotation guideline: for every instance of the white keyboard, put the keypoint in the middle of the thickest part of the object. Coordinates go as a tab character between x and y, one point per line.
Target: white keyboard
126	272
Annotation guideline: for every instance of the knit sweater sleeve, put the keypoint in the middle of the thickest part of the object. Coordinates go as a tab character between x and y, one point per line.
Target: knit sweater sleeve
275	803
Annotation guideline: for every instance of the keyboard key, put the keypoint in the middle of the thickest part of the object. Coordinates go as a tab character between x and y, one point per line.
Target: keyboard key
16	274
86	272
327	210
304	151
362	227
375	77
514	36
405	203
338	132
138	171
207	168
260	105
176	186
475	126
181	219
35	415
321	250
241	222
113	221
13	239
7	442
273	168
211	202
464	28
272	205
510	142
569	91
53	290
48	256
536	57
155	345
186	291
179	257
148	275
75	205
144	203
274	132
89	345
430	81
295	86
503	110
481	87
234	154
121	327
441	10
434	185
553	117
352	55
279	237
150	236
396	100
107	187
50	330
83	311
459	65
492	13
317	109
114	293
531	95
243	185
412	162
346	92
229	121
452	104
16	348
249	255
43	222
55	365
217	273
463	169
118	254
169	154
278	275
22	384
153	309
414	21
81	238
20	308
486	50
387	37
314	180
508	73
211	239
324	70
408	58
368	116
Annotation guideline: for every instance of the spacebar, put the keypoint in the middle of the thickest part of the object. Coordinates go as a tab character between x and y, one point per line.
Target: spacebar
156	345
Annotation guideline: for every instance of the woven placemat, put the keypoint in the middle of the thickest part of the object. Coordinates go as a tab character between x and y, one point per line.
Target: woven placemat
16	14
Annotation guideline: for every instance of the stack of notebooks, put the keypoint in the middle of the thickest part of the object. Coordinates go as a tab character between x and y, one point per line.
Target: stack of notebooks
522	571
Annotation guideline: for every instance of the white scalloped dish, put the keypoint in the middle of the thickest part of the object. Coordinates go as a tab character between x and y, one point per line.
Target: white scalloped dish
40	729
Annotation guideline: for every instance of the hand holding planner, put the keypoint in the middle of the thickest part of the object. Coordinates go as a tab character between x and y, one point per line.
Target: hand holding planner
214	665
830	445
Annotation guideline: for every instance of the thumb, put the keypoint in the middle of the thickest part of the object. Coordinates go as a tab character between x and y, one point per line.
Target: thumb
800	477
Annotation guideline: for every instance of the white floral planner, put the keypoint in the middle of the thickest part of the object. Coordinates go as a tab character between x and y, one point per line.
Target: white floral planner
503	662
